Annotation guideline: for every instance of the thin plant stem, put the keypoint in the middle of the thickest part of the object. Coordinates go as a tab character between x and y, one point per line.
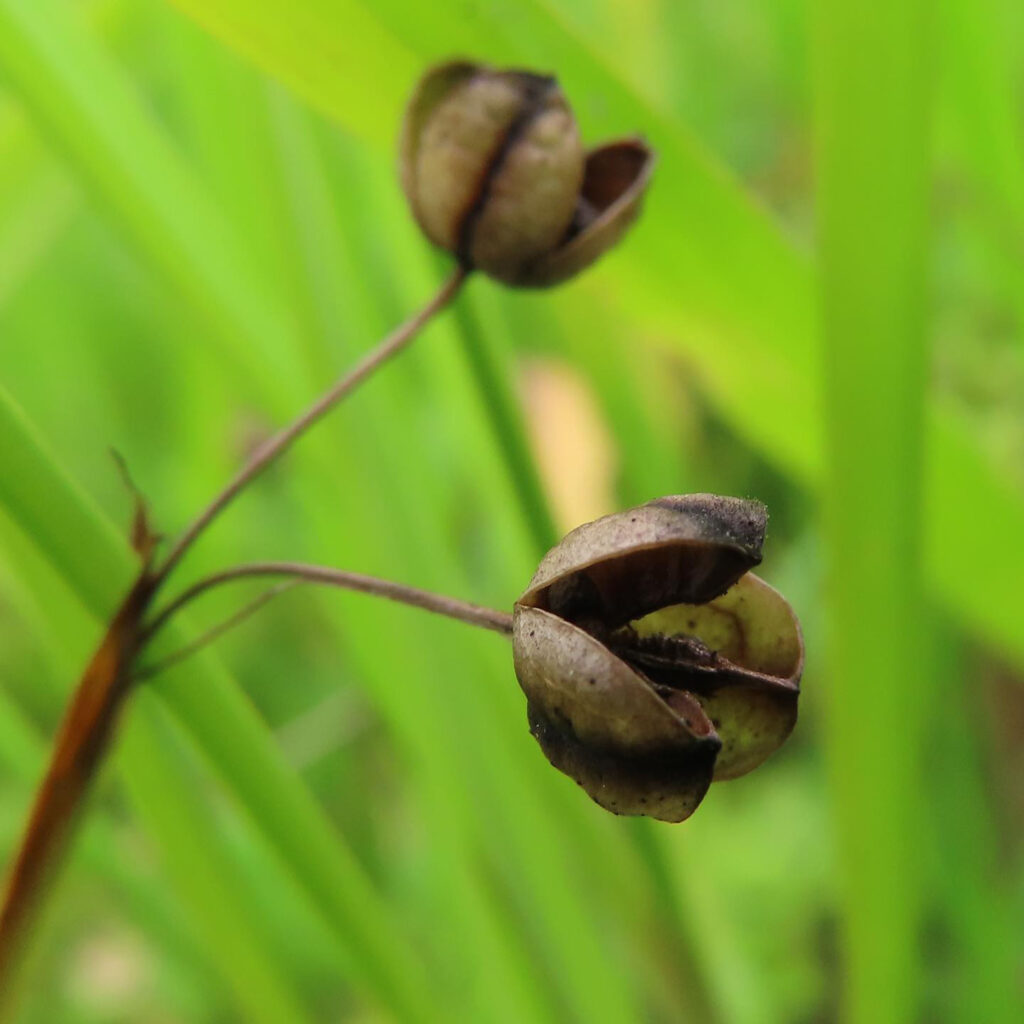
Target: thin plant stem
83	738
284	438
453	608
207	638
507	423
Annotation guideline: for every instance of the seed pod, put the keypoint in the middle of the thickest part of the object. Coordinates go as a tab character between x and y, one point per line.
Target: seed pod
494	170
652	661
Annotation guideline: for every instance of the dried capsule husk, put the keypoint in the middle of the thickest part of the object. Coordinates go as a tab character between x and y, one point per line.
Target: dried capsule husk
614	184
495	172
652	661
681	548
603	725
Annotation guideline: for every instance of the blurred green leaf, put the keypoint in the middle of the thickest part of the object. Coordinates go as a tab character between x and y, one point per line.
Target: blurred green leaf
873	149
978	65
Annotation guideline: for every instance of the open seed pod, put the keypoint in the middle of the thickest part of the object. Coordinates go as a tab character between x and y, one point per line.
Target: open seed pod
494	170
652	660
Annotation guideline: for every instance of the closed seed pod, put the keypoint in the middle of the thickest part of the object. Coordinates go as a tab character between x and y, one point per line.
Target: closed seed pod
494	170
652	660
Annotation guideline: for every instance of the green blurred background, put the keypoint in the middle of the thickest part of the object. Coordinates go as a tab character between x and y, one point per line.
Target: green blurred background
338	814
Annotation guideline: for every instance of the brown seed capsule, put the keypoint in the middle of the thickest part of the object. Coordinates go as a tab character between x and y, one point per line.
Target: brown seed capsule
653	662
495	172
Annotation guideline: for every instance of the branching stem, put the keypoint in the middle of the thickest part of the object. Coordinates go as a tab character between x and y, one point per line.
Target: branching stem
284	438
474	615
93	710
144	672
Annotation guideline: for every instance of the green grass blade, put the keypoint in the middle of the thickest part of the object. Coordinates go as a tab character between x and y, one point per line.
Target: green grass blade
492	381
57	528
973	886
36	199
197	867
360	48
77	93
980	75
873	159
